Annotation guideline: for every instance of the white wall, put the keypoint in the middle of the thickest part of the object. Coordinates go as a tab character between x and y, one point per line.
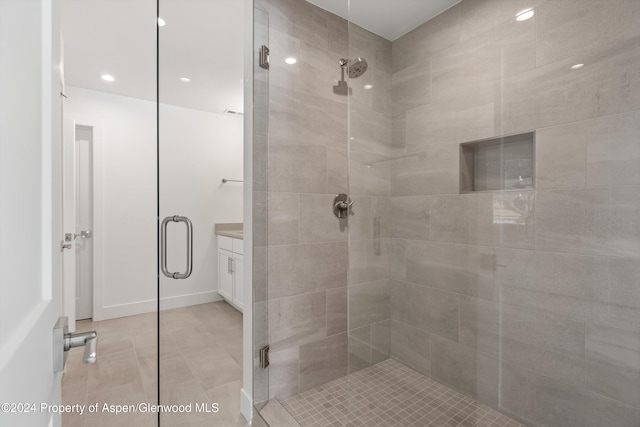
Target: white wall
197	149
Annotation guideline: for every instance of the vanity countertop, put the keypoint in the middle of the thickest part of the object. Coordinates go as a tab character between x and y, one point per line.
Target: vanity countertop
233	230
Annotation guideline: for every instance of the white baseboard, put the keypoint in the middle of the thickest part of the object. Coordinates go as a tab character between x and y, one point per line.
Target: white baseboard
190	299
141	307
246	405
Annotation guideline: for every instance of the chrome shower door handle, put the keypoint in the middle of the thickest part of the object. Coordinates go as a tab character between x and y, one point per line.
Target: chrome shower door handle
163	246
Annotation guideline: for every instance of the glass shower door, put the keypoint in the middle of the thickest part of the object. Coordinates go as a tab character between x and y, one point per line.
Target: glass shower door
260	208
110	113
300	165
200	164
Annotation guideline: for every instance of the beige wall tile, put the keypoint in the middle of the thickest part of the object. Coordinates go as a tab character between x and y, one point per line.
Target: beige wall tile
588	409
368	303
624	229
410	346
438	34
336	311
323	361
283	372
463	269
478	17
411	217
480	325
434	171
289	114
299	269
464	369
370	260
568	28
505	50
439	122
613	151
317	222
561	155
297	320
425	308
411	87
505	219
297	168
576	221
284	218
613	363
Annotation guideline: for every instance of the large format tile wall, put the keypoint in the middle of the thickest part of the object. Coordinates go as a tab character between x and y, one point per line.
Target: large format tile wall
302	249
528	301
371	249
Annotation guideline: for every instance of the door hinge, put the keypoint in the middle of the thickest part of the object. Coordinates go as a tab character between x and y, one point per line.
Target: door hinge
264	57
264	357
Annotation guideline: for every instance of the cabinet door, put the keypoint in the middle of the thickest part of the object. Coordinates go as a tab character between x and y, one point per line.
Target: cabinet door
238	280
225	277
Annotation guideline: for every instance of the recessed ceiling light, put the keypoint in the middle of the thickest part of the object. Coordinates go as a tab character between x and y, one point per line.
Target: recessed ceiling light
107	77
367	87
524	15
185	79
161	22
577	66
290	60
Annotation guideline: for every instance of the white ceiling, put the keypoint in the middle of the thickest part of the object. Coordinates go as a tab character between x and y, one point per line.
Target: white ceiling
390	19
202	40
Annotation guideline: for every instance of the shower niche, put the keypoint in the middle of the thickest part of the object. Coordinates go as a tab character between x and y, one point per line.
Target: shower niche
503	163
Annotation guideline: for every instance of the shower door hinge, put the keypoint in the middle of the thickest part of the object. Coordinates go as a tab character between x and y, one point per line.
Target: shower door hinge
264	357
264	57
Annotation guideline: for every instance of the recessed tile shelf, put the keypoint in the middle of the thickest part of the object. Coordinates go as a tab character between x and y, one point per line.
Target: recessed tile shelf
504	163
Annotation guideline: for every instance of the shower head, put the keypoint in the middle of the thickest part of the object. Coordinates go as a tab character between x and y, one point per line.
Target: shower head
355	67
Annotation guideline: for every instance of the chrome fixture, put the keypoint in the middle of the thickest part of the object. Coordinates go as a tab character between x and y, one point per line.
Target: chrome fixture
163	246
225	180
263	58
356	67
84	234
63	341
264	357
342	206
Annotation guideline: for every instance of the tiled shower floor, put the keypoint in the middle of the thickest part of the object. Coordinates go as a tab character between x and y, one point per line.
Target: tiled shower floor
390	394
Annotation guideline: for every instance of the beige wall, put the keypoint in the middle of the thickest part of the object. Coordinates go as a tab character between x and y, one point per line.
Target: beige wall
541	317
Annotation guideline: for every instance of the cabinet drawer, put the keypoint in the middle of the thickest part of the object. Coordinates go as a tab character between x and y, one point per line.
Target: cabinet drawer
225	242
238	246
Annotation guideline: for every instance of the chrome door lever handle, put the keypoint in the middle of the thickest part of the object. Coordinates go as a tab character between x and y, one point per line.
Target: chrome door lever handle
87	339
63	341
84	234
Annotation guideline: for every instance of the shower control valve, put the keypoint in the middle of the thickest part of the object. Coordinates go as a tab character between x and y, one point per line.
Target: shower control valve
342	206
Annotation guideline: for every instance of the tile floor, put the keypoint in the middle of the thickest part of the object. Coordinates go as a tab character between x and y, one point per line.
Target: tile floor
390	394
201	361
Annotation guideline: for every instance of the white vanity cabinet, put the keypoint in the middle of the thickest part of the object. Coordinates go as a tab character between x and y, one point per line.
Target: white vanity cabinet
230	270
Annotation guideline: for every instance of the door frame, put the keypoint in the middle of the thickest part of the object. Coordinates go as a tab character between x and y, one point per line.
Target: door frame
97	127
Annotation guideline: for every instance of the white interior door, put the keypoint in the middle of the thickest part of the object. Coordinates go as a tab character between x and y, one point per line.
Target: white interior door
30	220
83	233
